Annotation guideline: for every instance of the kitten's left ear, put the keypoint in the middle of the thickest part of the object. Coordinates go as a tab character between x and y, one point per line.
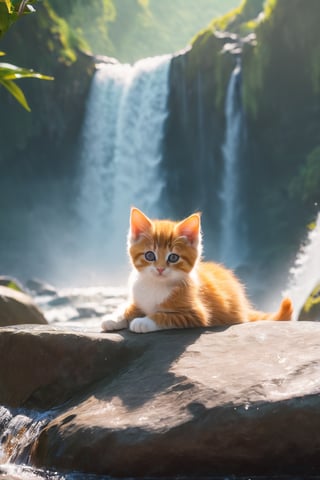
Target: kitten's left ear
139	224
190	228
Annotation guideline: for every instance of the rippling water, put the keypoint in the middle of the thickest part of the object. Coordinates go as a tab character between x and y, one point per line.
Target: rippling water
81	307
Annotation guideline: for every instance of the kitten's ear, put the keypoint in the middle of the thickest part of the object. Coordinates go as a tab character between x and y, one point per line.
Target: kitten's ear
139	224
190	228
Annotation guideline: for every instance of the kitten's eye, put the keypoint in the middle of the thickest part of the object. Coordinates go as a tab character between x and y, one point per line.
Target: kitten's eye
173	258
149	256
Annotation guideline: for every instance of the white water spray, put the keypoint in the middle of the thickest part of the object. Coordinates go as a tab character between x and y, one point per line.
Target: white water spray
233	249
305	273
121	154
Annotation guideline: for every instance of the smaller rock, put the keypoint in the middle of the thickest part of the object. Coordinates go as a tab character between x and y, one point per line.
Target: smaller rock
11	282
105	60
38	287
17	308
311	308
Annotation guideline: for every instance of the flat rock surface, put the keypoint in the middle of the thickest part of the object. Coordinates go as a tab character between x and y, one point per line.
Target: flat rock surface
242	400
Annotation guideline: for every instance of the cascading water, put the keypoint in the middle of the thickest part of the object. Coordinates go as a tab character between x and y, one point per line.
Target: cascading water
306	272
121	154
233	245
19	431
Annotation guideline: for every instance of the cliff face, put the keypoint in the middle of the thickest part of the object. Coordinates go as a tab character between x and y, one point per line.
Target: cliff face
38	149
281	96
43	41
279	156
195	129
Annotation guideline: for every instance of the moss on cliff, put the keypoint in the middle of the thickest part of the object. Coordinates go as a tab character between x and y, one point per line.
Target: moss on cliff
206	55
208	45
286	55
305	185
241	20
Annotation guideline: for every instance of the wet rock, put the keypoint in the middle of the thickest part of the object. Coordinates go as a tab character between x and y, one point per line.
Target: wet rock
241	400
17	308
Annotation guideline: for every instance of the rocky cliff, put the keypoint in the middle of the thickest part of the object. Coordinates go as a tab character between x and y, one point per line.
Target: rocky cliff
279	154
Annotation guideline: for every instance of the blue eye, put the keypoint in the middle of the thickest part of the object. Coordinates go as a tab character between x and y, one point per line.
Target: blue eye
149	256
173	258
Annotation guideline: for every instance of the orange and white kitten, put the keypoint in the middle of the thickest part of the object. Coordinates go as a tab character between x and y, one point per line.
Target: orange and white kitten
170	287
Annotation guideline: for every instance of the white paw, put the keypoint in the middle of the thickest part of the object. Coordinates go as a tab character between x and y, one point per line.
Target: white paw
109	324
119	314
143	325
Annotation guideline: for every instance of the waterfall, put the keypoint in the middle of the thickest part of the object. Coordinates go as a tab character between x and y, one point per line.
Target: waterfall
305	273
18	430
121	155
233	245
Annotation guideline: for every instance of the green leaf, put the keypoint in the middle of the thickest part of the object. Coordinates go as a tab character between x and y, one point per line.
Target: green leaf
9	72
11	11
8	4
16	92
12	72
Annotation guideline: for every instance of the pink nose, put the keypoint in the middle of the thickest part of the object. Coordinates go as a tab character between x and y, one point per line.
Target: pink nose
160	270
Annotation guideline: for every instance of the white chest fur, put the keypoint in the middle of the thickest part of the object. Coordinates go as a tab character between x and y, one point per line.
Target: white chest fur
148	293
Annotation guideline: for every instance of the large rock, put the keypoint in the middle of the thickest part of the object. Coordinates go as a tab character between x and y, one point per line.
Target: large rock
43	367
17	308
239	400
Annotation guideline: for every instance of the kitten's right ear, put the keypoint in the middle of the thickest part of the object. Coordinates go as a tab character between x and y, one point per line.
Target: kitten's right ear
190	228
139	224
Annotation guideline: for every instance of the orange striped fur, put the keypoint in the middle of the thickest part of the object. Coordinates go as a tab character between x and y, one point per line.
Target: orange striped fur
173	288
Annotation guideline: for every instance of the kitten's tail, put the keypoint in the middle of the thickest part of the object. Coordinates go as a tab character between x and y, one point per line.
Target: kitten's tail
283	314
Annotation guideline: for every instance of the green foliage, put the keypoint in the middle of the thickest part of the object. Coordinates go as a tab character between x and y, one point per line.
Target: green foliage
268	8
132	29
9	13
9	72
14	285
279	51
90	21
241	20
305	186
66	37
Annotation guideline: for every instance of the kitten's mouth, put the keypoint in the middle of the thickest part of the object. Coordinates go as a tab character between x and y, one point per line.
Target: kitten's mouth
160	274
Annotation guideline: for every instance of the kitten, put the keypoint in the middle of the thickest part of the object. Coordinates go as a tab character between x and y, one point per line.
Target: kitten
171	287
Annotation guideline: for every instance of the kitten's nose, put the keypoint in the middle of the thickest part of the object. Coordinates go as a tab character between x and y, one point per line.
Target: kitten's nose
160	270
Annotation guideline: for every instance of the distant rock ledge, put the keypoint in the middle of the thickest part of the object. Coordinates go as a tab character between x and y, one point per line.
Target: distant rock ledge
242	400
